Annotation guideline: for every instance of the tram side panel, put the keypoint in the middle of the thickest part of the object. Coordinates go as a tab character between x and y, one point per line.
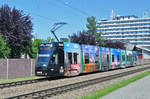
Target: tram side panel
123	58
72	60
115	58
134	58
129	58
139	59
91	58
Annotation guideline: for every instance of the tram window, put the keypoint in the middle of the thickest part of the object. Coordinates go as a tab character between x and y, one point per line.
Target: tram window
118	59
123	57
45	48
96	58
86	56
113	58
61	56
107	58
135	58
128	58
55	58
70	58
75	58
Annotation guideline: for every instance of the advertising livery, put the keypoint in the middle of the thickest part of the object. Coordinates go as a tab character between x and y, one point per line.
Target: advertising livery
71	59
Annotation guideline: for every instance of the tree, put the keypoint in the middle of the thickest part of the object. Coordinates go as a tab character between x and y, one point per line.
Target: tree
64	39
32	51
116	44
16	28
83	38
4	49
92	29
49	39
99	39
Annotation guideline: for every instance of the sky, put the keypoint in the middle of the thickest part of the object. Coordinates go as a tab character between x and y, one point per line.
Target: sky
44	13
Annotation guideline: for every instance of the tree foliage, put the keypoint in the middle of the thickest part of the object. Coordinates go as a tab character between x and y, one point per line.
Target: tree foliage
16	28
4	49
83	38
92	29
64	39
49	39
116	44
32	51
99	39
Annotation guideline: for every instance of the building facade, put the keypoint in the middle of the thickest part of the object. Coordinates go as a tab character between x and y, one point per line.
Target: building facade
127	29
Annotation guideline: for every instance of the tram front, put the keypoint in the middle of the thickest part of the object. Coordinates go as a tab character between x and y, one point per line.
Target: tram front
47	62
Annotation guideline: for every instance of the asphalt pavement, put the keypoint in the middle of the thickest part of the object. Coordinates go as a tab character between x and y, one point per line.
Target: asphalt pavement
136	90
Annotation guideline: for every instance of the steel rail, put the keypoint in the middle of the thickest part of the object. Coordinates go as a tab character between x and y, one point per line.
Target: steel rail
6	85
62	89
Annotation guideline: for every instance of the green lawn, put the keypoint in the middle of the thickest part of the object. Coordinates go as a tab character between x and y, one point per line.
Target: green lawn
18	79
100	93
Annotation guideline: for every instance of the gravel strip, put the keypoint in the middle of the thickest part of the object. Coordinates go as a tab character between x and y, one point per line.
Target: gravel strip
13	91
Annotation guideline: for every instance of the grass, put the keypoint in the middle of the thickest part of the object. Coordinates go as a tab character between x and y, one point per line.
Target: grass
100	93
18	79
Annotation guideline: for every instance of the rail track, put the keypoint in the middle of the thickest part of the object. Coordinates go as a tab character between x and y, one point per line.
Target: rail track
11	84
46	94
19	83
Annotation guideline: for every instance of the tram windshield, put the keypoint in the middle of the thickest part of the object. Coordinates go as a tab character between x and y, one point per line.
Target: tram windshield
45	52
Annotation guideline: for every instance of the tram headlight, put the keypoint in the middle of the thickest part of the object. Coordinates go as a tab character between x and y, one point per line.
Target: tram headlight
44	65
52	69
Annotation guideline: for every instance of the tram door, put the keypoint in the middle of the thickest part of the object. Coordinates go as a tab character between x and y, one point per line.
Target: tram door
105	58
72	63
72	59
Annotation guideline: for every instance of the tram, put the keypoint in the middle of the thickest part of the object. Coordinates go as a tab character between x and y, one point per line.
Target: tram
71	59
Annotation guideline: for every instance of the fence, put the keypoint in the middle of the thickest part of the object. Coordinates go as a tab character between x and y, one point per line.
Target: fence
13	68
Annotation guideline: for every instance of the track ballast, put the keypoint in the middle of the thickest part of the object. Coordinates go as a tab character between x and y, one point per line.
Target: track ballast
61	89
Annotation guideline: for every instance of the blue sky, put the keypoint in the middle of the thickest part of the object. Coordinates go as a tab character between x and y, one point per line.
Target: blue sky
45	13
